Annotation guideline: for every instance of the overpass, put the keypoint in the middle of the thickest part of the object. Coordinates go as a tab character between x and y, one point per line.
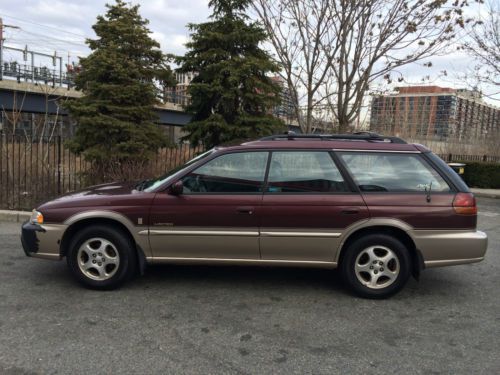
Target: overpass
45	99
27	97
37	91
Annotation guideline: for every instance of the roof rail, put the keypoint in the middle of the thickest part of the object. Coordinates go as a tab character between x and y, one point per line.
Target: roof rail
358	136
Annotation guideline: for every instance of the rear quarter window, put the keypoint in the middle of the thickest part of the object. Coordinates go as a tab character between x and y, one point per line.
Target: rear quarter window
450	173
392	172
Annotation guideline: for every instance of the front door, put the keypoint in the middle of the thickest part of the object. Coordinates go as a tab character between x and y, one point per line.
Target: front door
218	213
306	207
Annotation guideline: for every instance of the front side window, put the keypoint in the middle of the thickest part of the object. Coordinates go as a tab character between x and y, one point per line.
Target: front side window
151	185
379	172
241	172
304	172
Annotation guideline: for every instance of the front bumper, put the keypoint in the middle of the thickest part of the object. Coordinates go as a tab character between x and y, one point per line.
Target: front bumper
42	241
450	247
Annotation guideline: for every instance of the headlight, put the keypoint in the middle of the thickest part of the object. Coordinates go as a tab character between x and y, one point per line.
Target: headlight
36	217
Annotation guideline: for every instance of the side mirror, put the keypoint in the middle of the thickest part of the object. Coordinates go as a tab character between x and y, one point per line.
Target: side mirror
176	188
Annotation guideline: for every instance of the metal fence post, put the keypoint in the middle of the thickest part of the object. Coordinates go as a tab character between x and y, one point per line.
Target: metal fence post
1	168
58	164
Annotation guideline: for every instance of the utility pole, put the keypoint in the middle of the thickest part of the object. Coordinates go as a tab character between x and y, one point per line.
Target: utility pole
2	26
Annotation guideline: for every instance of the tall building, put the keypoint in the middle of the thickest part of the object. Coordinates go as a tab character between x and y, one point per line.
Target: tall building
434	112
178	93
285	110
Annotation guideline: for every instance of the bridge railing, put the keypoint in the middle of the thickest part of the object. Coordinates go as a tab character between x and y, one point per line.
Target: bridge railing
45	75
36	170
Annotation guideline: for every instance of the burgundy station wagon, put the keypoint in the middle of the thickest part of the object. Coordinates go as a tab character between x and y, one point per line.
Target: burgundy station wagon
376	207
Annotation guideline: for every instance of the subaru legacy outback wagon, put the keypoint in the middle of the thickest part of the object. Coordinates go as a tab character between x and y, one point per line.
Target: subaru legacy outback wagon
375	207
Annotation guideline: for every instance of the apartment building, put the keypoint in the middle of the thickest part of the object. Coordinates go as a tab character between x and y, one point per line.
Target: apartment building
434	112
178	94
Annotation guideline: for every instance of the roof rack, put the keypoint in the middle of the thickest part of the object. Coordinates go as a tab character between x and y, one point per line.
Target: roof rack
358	136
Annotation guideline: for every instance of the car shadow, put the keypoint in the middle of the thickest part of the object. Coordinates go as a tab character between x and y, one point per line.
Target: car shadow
445	283
242	276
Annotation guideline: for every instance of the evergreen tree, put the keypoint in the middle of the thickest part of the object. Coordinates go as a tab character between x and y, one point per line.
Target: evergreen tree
115	116
232	96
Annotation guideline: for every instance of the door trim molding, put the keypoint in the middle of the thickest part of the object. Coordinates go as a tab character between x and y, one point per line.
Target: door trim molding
300	234
168	232
243	262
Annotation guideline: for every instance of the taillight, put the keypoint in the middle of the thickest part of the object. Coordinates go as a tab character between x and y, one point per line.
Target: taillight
465	204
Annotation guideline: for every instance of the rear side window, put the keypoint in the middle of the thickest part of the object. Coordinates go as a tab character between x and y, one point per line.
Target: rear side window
379	172
241	172
304	172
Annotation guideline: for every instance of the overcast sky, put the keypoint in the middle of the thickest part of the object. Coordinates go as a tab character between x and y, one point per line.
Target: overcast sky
62	25
72	20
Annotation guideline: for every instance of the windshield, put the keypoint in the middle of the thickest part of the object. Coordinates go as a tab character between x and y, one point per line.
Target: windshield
152	184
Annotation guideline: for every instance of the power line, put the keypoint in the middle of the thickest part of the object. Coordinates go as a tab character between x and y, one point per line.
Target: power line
42	25
56	39
45	42
49	48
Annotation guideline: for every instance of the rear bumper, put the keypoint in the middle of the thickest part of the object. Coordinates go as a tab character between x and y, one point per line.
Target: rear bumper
450	247
42	241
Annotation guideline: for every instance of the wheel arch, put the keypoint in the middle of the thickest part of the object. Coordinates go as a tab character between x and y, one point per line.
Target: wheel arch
110	219
395	229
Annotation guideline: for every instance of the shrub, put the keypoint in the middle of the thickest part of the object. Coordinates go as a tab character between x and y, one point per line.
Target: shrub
482	175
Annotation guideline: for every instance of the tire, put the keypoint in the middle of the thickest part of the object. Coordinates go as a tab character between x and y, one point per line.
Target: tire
376	266
101	257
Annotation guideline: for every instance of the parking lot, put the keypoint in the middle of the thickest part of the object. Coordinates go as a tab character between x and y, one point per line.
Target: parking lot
238	320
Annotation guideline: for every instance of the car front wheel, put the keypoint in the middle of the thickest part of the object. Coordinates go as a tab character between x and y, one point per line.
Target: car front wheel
376	266
101	257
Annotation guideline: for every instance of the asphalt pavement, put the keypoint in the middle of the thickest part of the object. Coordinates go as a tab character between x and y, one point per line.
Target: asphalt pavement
248	320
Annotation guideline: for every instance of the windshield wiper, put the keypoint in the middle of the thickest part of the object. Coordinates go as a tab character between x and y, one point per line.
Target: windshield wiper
142	185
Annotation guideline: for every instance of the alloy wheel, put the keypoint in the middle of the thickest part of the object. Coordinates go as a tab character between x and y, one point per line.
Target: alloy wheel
377	267
98	259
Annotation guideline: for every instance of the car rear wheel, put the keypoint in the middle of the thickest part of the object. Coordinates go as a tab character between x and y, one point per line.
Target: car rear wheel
101	257
376	266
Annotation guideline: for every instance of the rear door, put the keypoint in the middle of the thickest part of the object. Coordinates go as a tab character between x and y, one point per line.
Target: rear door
306	207
402	185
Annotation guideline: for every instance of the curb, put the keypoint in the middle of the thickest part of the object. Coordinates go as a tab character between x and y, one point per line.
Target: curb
14	216
485	193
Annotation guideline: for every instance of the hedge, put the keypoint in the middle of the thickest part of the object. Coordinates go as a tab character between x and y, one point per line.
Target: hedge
482	175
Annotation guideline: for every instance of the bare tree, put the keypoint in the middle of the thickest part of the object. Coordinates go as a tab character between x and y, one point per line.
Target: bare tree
483	45
50	123
299	30
335	49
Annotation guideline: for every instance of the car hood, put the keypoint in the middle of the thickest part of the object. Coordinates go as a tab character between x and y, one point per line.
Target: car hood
105	194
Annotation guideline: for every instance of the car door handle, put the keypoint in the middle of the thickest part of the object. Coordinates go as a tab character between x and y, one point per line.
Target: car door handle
352	211
245	210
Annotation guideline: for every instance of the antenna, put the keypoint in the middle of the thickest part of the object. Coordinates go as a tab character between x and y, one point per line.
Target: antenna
428	191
